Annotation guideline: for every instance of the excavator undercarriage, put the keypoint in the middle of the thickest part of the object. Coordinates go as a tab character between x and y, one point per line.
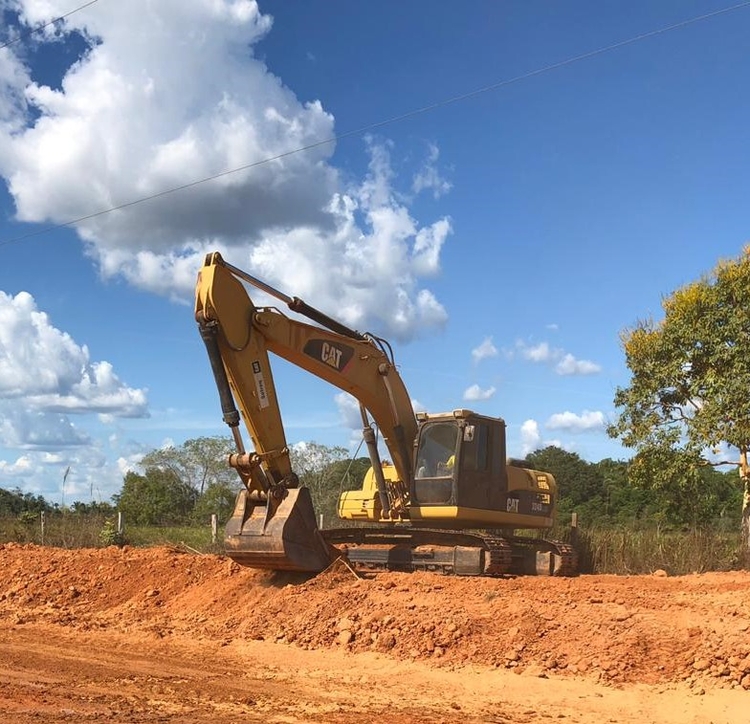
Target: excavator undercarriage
290	540
460	553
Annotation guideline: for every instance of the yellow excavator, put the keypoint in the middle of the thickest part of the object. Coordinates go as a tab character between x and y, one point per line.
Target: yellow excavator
447	501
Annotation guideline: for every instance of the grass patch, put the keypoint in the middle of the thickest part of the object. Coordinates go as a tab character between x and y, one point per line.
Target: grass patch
621	551
625	552
67	529
196	537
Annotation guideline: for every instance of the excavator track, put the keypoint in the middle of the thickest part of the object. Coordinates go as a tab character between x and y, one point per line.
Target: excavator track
543	556
499	556
450	552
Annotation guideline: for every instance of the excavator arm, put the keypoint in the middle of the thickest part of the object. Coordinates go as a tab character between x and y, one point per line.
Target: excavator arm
238	337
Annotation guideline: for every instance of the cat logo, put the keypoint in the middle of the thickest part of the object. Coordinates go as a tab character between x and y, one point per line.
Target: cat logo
334	355
511	505
330	355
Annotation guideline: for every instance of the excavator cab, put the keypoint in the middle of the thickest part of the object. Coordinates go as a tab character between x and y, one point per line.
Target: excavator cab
461	480
460	464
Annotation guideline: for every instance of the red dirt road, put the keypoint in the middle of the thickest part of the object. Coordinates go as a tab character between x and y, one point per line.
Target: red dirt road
147	636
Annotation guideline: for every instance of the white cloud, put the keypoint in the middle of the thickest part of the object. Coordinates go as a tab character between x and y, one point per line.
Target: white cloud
130	463
172	95
428	177
569	365
484	351
45	369
476	393
531	438
565	363
587	420
35	430
90	476
45	376
538	353
428	244
21	466
349	411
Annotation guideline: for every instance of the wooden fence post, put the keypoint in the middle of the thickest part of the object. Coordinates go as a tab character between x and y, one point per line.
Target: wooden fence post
119	523
41	516
214	527
574	529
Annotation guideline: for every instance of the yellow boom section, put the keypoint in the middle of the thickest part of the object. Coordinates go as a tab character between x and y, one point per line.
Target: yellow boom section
356	365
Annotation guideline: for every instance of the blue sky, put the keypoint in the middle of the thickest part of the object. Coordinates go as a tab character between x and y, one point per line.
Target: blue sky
501	242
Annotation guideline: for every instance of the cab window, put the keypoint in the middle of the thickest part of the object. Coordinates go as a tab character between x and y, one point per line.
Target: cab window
436	456
475	453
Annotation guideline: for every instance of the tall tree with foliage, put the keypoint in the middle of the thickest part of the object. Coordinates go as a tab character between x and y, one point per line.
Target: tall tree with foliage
199	462
192	480
158	497
312	462
14	502
327	471
580	484
689	395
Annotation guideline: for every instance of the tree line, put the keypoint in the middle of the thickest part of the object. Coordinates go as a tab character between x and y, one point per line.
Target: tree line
607	495
188	483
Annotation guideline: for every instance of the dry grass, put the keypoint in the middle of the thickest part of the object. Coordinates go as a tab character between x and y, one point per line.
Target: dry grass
607	550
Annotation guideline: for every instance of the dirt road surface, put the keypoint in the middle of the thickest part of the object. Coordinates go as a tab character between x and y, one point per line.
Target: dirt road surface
159	635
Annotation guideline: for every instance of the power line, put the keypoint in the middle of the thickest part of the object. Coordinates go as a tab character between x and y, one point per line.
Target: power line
379	124
36	29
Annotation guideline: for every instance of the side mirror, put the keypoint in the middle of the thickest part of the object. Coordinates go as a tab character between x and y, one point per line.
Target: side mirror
469	433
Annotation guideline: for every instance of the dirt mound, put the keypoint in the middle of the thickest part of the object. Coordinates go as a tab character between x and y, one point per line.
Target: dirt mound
646	629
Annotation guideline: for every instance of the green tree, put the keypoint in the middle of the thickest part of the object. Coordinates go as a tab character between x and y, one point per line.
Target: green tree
198	462
327	471
218	498
348	474
624	503
311	460
14	502
580	485
690	380
159	497
93	508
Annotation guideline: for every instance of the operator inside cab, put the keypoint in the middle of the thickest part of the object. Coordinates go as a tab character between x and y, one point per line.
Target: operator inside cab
437	450
446	468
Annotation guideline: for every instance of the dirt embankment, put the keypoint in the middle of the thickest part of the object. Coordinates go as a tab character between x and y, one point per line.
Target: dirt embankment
693	631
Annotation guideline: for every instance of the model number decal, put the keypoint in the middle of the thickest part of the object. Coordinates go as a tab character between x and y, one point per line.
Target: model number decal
260	386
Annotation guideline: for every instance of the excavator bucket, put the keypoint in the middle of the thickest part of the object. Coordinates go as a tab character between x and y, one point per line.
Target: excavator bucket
287	540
